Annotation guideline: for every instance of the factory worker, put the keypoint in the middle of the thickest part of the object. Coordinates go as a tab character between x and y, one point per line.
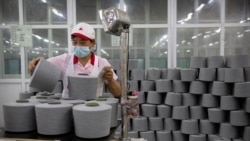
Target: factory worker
83	60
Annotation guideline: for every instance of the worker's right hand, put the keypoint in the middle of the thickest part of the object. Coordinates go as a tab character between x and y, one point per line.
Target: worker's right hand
33	63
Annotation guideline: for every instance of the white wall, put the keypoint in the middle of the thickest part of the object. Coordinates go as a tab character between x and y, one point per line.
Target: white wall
9	92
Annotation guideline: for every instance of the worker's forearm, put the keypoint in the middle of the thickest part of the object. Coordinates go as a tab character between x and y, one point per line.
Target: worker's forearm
114	88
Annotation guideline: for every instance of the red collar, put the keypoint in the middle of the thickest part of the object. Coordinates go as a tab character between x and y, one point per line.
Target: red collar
92	59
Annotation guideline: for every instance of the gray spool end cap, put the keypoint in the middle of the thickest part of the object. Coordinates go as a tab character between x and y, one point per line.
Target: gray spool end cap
54	102
101	99
22	101
41	97
92	104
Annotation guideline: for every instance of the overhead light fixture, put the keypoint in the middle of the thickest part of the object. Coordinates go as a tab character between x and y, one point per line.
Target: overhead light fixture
114	20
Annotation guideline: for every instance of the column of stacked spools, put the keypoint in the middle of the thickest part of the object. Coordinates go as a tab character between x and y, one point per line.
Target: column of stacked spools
207	102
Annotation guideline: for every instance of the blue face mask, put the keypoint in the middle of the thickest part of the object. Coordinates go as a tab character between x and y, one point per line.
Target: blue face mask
80	51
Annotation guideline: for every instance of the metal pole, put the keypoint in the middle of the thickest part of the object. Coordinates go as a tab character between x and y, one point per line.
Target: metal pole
124	87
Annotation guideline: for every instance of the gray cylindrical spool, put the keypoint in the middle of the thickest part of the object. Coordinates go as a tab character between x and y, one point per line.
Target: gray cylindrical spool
164	111
237	140
154	97
59	87
171	124
247	74
221	88
129	126
53	119
113	102
155	123
238	61
233	75
73	101
163	135
198	137
115	63
207	127
188	74
132	64
228	131
92	122
133	134
221	74
229	103
198	87
163	85
82	87
210	101
180	86
139	124
246	135
198	62
153	74
164	73
189	99
242	89
180	112
189	126
25	95
178	136
148	135
137	74
198	112
213	137
207	74
141	98
174	74
19	117
223	139
173	99
45	76
133	85
247	106
239	118
148	110
147	85
215	62
216	115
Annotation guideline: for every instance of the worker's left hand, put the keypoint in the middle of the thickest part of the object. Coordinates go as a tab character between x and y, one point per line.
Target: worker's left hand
107	74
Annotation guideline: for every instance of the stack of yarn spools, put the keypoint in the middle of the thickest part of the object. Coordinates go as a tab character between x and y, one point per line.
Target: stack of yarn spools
210	101
50	114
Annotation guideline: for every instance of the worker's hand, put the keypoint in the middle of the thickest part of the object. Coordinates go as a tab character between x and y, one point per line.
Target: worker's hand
107	74
33	63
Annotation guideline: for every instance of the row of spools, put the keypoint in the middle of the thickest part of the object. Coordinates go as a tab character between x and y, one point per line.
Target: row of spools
210	101
48	116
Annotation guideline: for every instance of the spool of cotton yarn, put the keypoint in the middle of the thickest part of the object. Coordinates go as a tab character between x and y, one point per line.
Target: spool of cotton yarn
53	118
45	76
113	102
82	87
19	116
92	120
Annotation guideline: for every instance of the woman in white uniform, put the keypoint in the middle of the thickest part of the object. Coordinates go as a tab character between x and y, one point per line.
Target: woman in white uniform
83	60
